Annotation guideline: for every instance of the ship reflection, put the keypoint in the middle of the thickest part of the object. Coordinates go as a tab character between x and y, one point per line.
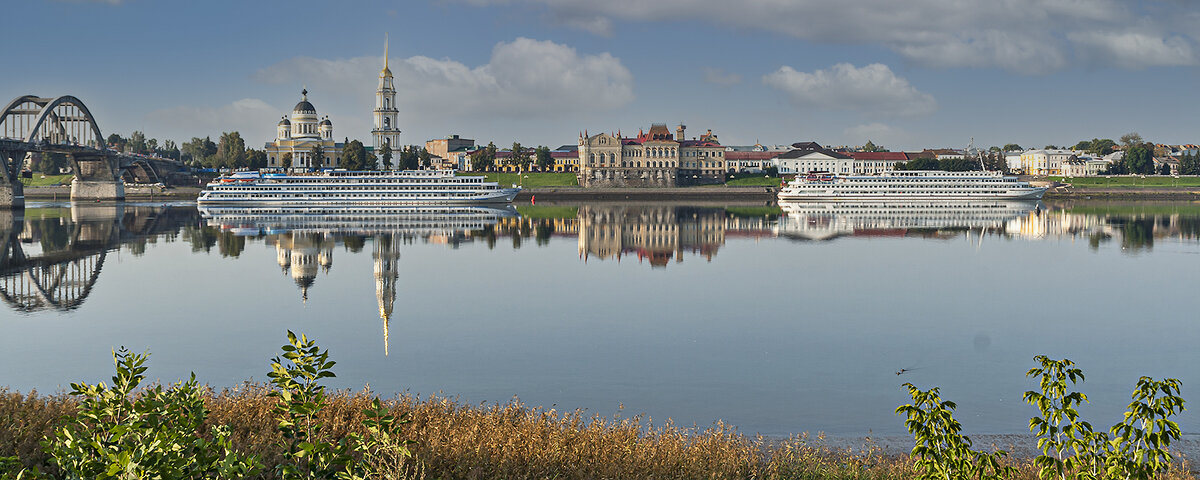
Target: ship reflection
304	238
830	220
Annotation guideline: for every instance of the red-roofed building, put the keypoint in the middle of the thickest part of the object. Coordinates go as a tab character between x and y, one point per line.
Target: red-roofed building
655	158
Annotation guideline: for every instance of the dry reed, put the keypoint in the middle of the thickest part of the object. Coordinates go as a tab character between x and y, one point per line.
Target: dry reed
456	441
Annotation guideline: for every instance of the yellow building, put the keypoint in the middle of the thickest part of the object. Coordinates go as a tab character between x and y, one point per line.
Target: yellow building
304	136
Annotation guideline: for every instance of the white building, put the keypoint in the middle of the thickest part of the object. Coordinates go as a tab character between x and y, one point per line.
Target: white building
811	157
386	131
306	137
1045	162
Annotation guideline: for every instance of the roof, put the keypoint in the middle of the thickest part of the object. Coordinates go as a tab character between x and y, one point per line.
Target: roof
744	155
807	146
797	153
883	156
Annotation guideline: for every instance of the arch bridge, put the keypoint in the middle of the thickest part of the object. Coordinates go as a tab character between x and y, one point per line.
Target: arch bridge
64	125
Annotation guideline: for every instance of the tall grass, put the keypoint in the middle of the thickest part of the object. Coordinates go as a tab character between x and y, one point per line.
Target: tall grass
457	441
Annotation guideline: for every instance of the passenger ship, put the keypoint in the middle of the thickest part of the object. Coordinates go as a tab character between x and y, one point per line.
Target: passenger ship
910	185
341	187
252	220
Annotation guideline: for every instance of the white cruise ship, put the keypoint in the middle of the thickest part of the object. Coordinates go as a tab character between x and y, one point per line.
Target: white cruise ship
252	220
824	220
340	187
910	185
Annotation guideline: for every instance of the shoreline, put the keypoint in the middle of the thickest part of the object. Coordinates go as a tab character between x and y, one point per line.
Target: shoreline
685	194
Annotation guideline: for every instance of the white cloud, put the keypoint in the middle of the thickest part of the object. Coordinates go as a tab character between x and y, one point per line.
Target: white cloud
1030	36
253	118
524	78
721	77
1136	50
873	88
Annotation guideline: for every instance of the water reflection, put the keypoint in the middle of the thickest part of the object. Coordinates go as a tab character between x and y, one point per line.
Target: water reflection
830	220
51	258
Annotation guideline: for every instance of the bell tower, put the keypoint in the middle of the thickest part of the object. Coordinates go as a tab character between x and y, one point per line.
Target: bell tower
386	131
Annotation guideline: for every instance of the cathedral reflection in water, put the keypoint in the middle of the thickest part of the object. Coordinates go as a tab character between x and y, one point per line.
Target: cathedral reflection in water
51	257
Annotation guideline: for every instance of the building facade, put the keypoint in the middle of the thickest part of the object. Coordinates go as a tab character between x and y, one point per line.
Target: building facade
652	159
306	137
808	157
1045	162
386	131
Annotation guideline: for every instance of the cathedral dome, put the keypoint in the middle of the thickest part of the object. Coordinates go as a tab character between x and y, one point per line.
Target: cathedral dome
326	122
304	106
285	121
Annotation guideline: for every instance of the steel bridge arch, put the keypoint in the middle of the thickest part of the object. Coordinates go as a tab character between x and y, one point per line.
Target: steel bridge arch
47	106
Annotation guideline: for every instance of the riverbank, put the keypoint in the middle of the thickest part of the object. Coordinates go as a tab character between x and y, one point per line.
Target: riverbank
513	440
685	194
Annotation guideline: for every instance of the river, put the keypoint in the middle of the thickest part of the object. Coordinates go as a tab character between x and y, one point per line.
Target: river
774	320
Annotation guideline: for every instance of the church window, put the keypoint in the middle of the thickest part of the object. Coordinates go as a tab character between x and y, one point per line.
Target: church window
386	124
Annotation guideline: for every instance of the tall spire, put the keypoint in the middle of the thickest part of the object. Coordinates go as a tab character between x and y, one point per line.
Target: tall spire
387	72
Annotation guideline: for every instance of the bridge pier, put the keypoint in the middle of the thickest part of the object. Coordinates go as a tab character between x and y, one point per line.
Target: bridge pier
96	178
12	193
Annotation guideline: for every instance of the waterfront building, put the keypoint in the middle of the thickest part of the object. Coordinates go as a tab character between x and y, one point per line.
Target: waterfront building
812	157
452	150
1045	161
386	130
869	163
656	158
307	137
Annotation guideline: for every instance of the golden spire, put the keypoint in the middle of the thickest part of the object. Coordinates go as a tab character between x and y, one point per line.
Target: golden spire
386	71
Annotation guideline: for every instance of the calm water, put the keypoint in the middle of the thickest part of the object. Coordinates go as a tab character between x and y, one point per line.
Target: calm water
775	321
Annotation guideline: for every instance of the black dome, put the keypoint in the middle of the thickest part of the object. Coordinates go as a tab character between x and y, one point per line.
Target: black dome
326	122
304	107
285	121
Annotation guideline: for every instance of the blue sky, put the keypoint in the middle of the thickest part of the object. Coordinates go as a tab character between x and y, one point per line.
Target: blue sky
912	74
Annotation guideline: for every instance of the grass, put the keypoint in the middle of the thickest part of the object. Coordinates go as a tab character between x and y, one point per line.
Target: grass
1130	181
456	441
532	179
753	181
49	180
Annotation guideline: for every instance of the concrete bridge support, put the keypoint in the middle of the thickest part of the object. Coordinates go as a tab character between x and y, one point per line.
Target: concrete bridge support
96	178
12	193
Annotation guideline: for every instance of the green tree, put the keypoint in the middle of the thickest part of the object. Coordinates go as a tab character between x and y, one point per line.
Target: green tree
1012	147
870	147
543	159
353	156
1131	139
385	153
1138	160
1189	164
231	150
1164	169
285	160
484	159
1101	146
424	158
116	142
1083	145
924	163
48	162
369	160
256	159
137	143
318	156
519	157
408	158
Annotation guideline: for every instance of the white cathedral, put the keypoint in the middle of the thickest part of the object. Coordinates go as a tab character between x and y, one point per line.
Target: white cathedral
385	131
302	133
301	136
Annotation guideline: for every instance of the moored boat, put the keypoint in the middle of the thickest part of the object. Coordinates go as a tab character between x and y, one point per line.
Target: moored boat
910	185
341	187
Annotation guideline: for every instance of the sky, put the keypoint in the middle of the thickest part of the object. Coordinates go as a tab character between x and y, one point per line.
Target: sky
904	74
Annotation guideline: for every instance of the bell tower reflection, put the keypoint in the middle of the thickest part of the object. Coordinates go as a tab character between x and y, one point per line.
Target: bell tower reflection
386	254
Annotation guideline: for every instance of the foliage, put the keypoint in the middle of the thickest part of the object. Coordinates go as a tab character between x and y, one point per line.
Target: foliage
354	156
256	159
231	151
1012	147
484	159
1139	159
317	154
1068	444
424	158
119	432
285	160
542	158
946	164
1130	139
309	451
385	154
520	156
1134	448
48	162
871	147
1189	163
199	151
941	452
